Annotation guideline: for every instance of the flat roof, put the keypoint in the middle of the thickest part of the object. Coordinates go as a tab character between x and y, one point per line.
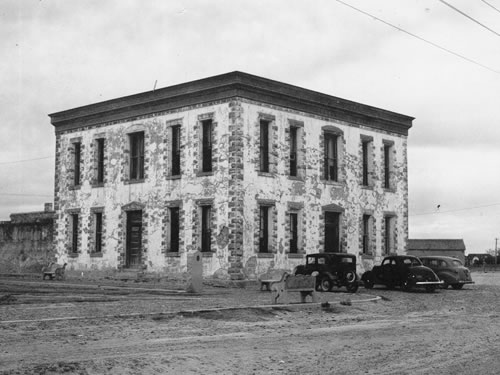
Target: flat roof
226	86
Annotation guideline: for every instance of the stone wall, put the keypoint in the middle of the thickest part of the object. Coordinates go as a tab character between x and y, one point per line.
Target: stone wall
26	241
234	189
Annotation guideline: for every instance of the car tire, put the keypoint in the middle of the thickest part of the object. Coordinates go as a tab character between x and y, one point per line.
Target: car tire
325	284
350	277
368	281
444	285
457	286
352	287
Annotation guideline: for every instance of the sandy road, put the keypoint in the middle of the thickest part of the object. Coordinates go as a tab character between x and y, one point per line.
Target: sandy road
447	332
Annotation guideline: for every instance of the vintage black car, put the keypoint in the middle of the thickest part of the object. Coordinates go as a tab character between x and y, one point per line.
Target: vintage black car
404	271
331	269
450	270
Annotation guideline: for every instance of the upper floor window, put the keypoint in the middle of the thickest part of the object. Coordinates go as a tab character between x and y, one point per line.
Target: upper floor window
331	157
293	150
176	150
136	156
367	160
388	164
77	149
264	146
100	160
207	145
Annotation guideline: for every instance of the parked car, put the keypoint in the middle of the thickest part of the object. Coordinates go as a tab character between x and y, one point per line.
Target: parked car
404	271
331	269
450	270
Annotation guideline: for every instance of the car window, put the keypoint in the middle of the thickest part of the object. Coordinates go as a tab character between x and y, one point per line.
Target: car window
346	260
311	260
415	262
386	262
434	263
321	260
457	263
443	264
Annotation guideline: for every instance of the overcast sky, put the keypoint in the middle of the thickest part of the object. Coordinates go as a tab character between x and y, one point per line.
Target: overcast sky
57	55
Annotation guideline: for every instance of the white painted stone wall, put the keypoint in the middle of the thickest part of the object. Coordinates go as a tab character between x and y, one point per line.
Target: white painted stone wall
157	190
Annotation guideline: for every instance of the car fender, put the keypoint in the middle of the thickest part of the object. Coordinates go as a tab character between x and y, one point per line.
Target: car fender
448	277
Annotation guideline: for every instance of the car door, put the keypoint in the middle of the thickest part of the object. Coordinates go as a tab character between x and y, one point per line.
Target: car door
386	275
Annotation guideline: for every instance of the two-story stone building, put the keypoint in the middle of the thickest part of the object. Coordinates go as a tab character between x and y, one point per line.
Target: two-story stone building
252	172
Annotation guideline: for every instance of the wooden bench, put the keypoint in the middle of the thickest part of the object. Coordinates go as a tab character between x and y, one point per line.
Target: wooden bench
54	270
269	278
304	284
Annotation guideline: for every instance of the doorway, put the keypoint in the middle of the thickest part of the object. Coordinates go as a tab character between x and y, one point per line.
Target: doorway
134	239
332	237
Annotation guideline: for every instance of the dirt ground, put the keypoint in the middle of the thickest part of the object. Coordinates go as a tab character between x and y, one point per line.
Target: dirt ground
104	327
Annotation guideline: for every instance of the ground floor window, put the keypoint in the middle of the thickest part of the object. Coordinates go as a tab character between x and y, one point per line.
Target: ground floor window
206	230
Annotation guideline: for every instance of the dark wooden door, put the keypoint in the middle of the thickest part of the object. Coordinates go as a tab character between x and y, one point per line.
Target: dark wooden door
134	239
332	238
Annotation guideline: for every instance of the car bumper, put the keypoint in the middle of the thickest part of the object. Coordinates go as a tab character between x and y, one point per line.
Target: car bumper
465	282
425	283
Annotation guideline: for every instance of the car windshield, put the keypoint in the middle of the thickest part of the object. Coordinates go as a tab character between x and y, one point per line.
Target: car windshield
456	263
311	260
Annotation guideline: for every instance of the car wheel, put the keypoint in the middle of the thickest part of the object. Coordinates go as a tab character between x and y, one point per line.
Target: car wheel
457	286
407	285
368	281
325	284
350	277
352	287
444	285
430	288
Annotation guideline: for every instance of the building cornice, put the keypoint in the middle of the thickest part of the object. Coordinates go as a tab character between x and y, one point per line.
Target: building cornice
227	86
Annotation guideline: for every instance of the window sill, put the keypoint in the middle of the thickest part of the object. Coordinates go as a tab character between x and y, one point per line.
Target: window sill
204	174
73	255
296	178
131	182
367	187
96	255
366	256
98	185
295	256
174	177
207	254
172	254
265	174
75	187
389	190
265	255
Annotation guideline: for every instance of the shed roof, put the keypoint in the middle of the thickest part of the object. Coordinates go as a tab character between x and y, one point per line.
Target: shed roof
224	87
436	244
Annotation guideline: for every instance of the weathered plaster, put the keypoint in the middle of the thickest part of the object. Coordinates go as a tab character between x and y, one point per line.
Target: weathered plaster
235	188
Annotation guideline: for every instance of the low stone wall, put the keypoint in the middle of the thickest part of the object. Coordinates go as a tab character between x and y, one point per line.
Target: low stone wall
26	242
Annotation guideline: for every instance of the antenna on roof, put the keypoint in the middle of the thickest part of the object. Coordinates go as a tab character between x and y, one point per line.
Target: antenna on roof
154	88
